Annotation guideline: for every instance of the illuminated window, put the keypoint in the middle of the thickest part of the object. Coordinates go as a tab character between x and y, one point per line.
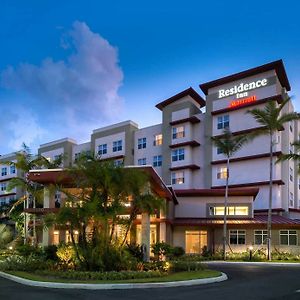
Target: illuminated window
157	161
177	177
178	154
4	171
69	238
195	241
222	173
102	149
158	139
178	132
142	161
117	146
153	234
237	237
231	211
288	237
260	237
223	122
56	237
142	143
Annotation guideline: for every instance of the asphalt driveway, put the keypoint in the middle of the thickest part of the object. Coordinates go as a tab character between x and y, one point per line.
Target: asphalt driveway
245	282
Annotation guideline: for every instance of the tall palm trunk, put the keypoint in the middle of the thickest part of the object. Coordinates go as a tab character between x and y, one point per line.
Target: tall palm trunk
225	212
269	225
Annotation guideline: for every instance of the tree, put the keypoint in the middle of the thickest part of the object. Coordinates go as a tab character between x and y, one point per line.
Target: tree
96	207
32	192
272	118
228	144
295	155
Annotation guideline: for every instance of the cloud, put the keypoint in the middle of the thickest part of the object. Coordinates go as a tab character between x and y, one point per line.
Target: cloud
69	97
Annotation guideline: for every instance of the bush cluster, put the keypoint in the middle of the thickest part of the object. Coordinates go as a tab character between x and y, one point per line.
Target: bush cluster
22	263
80	275
186	266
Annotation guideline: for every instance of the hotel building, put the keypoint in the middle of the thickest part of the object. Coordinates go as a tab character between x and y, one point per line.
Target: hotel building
190	171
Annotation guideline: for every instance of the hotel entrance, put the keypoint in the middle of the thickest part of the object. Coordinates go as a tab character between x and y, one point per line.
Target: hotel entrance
195	240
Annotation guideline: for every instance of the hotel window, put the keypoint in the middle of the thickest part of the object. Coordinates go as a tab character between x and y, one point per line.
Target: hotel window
117	146
291	199
260	237
142	143
142	161
223	122
291	174
2	201
12	169
222	173
4	171
231	211
157	161
291	127
69	238
237	237
178	132
55	237
288	237
158	139
102	149
3	187
153	234
178	154
195	241
219	150
177	177
118	162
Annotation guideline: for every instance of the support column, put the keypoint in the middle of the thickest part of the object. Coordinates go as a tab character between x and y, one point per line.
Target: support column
46	204
146	235
163	232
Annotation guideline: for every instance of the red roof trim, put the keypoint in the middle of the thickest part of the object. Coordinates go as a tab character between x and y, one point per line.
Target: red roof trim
250	157
189	143
279	182
216	192
191	167
277	98
275	65
192	120
5	195
188	92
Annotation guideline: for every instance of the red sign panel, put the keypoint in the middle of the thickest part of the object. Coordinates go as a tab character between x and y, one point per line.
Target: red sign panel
242	102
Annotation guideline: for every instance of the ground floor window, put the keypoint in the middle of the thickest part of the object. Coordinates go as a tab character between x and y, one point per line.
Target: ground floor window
260	237
68	236
120	232
55	237
237	237
195	241
288	237
153	234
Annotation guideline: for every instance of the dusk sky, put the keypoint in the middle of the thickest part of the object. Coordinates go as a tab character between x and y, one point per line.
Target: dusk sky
68	67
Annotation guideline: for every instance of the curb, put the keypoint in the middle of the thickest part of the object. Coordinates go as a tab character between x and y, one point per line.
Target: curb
258	263
115	286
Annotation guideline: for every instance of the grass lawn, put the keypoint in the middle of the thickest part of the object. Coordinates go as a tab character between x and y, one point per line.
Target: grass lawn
172	277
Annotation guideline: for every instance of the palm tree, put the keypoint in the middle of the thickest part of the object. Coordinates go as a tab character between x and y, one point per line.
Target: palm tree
228	144
272	118
295	156
33	193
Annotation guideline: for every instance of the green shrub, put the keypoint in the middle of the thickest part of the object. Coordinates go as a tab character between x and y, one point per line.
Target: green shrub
28	250
186	266
121	275
135	251
6	235
49	252
22	263
284	256
161	249
66	255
